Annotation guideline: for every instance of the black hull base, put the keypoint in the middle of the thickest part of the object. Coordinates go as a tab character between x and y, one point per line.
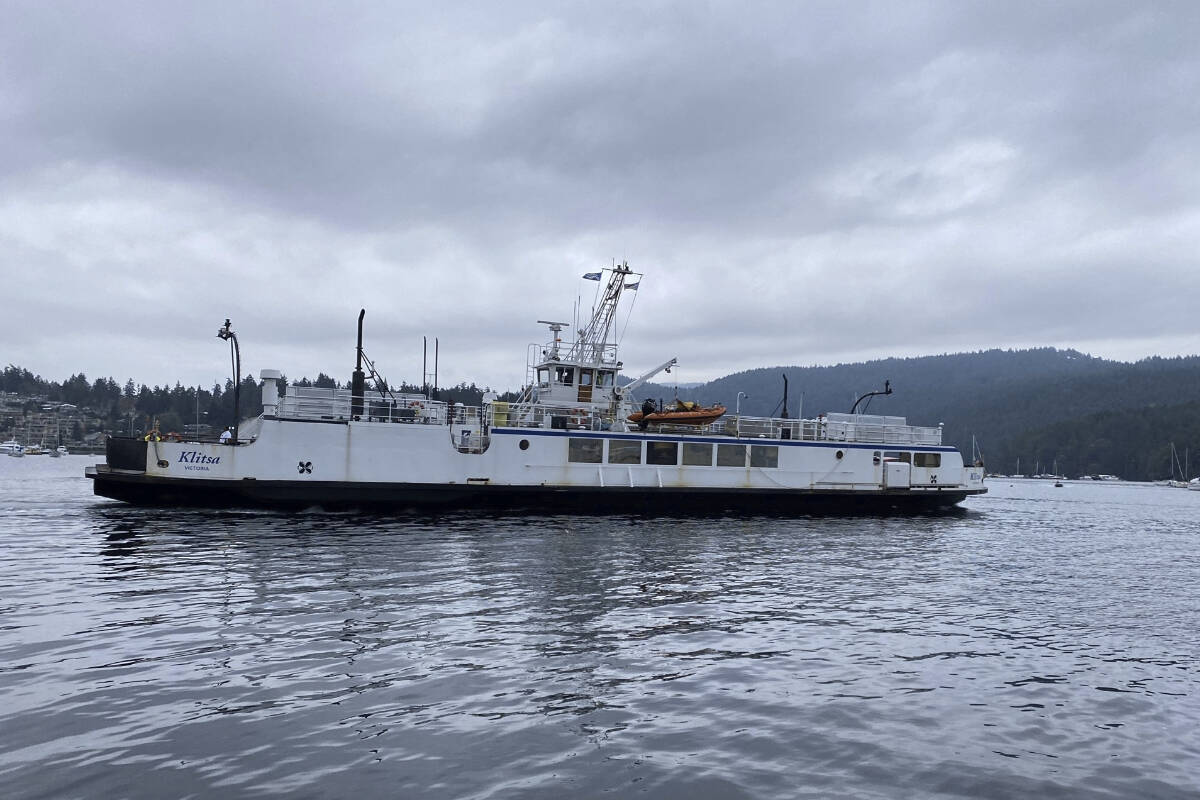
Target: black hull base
142	490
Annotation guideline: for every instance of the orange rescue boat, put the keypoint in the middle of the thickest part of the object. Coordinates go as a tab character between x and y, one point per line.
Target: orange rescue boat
679	413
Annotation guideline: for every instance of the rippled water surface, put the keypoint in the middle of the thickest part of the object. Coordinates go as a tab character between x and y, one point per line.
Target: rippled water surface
1045	642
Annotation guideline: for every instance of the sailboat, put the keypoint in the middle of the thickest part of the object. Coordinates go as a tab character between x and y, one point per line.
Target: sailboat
1182	483
55	452
32	449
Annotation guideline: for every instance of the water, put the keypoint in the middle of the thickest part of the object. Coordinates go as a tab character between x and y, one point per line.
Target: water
1044	643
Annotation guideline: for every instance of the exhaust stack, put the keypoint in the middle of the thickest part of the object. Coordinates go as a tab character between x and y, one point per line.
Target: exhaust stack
357	384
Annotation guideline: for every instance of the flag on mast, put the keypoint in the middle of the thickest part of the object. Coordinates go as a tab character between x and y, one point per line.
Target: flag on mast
591	276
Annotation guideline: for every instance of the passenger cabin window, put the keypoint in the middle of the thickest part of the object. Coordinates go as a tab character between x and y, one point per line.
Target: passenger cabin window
697	455
621	451
585	451
895	456
764	456
927	459
663	453
731	455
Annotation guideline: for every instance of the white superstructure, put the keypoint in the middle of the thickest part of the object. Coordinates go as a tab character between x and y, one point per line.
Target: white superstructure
565	442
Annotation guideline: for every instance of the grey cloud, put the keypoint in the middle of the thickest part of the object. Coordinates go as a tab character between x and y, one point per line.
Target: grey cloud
970	174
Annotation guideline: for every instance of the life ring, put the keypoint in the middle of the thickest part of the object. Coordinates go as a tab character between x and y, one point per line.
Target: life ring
578	417
174	437
415	404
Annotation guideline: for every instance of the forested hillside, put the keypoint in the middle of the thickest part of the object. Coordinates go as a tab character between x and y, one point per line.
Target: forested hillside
106	405
1088	414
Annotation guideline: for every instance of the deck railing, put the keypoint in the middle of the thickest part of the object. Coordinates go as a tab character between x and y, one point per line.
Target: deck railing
310	403
334	404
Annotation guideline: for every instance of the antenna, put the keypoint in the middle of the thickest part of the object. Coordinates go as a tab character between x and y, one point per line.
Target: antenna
887	389
555	328
592	342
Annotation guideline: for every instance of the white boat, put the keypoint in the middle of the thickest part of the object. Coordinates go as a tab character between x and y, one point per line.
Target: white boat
565	443
1194	485
60	451
13	448
1178	467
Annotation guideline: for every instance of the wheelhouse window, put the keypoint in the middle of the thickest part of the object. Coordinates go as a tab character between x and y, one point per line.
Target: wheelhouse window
604	378
564	375
731	455
621	451
764	456
663	453
927	459
543	378
585	451
697	455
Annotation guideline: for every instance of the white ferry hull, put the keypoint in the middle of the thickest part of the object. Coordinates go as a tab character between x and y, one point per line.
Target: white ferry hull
565	442
370	465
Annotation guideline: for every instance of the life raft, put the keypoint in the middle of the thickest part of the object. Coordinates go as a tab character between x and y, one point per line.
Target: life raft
679	414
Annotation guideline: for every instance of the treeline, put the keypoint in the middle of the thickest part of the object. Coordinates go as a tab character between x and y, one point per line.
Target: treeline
1134	444
466	393
1090	415
134	408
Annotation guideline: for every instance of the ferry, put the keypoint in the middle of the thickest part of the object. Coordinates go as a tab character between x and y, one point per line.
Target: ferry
567	442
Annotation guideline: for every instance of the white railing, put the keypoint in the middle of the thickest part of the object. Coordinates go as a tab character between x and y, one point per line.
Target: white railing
881	433
823	430
310	403
306	402
335	405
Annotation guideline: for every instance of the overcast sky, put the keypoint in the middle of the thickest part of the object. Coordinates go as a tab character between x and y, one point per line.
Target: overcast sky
801	183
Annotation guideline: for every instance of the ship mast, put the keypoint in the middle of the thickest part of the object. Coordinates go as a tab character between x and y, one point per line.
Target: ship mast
592	345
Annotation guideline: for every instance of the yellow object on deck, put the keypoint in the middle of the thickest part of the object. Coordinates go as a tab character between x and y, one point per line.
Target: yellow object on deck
499	413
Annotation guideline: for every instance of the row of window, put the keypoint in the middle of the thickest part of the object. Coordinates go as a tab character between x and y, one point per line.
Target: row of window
566	377
916	459
694	454
700	454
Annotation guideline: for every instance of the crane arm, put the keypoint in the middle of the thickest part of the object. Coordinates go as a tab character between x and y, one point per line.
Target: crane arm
625	390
